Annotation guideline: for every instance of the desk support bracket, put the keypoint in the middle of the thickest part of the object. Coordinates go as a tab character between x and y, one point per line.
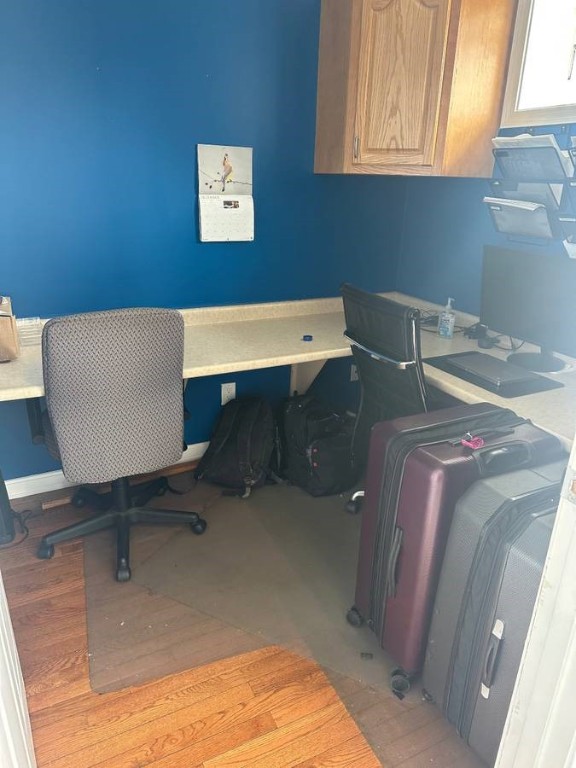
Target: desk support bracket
303	374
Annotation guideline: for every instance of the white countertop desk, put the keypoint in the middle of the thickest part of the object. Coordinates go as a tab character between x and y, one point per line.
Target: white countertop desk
248	337
226	340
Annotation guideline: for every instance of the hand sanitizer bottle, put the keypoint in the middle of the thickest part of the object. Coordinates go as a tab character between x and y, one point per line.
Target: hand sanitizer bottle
446	320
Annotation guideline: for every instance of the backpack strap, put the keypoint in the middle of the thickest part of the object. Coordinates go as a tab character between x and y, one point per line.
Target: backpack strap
222	432
244	439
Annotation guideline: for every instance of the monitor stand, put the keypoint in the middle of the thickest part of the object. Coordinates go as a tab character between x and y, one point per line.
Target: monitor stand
541	362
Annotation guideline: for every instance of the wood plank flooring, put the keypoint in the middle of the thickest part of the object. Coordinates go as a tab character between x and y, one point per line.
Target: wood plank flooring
264	709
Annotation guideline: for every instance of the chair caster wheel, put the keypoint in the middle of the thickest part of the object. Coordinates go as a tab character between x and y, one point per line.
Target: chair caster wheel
79	500
45	551
199	527
353	506
354	618
122	569
123	574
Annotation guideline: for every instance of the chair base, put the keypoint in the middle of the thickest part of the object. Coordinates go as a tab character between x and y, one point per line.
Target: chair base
141	493
121	516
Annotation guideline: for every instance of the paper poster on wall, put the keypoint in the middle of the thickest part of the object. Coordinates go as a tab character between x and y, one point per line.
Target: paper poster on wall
225	203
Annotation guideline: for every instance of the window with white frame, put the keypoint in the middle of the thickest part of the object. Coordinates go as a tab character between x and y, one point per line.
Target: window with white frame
541	86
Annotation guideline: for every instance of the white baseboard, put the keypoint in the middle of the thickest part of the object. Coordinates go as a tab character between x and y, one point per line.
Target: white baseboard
55	481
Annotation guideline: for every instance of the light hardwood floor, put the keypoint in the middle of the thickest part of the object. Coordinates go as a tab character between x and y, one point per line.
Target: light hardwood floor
262	709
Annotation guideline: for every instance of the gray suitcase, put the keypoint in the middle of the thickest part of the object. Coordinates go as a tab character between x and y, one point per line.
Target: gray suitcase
488	586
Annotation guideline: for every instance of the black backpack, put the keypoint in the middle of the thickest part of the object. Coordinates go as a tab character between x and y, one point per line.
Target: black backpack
316	443
240	450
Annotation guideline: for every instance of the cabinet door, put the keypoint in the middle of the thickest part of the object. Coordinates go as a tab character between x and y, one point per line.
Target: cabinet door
401	69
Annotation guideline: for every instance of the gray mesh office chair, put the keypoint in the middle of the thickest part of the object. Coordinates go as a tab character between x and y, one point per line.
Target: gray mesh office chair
113	386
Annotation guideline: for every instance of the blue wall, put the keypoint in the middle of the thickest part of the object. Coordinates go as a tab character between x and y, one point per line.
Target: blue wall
446	227
104	102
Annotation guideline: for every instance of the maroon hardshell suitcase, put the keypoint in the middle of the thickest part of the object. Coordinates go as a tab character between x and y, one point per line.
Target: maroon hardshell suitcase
418	467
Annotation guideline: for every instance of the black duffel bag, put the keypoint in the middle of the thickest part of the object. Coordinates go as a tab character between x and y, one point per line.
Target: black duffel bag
316	443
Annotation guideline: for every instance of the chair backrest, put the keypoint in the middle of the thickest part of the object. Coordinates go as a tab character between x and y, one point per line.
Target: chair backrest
113	383
385	340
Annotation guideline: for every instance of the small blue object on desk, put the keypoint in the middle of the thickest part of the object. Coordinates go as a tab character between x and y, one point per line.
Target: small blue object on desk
307	337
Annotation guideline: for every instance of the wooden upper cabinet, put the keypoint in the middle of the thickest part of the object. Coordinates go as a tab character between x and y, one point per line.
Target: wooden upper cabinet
399	76
411	86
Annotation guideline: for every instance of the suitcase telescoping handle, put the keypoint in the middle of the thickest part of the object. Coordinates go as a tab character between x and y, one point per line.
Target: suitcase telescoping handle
503	458
491	660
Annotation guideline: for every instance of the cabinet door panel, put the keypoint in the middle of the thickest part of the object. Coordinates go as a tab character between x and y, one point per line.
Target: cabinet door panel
400	80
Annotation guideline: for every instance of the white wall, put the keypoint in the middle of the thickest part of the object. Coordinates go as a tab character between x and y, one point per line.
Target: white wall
16	748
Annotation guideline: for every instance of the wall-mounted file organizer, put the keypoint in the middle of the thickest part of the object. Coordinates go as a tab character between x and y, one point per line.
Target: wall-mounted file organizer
534	199
538	164
567	223
523	218
532	158
550	195
570	194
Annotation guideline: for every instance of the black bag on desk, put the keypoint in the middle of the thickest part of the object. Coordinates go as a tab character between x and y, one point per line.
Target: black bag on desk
241	447
316	445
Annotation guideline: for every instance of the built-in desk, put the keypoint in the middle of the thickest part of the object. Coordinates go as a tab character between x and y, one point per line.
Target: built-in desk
553	410
247	337
226	340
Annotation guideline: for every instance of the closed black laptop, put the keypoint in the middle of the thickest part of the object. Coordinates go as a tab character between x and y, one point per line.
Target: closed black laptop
498	376
492	369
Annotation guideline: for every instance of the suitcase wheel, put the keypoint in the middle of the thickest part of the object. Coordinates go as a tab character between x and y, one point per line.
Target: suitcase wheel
354	618
354	505
400	682
427	696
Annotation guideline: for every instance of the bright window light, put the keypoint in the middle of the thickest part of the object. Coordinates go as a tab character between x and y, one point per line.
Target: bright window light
549	75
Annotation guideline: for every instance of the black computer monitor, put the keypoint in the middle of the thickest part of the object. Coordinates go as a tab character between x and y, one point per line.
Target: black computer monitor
531	297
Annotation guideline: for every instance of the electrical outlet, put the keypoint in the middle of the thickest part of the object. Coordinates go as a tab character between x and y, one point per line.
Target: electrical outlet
353	372
228	391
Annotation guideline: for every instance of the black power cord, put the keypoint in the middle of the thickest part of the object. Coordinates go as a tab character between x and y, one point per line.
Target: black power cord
20	519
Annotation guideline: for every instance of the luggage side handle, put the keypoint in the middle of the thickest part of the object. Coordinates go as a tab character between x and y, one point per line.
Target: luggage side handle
491	660
391	575
503	458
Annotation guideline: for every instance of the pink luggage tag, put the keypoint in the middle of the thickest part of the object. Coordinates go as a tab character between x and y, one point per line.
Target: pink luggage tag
472	442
